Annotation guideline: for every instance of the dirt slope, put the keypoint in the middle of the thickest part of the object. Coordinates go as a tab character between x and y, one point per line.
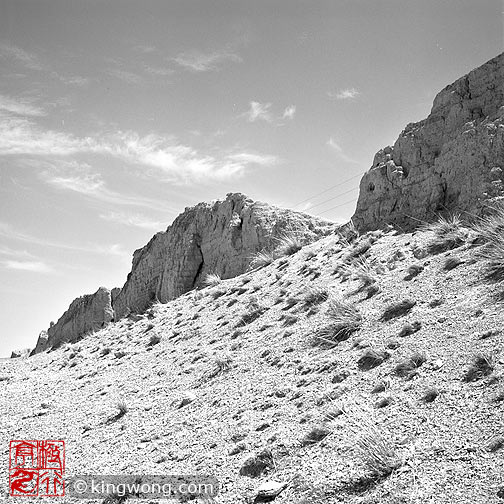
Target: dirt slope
271	381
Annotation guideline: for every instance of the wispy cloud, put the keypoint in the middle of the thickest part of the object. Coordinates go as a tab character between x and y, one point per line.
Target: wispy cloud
251	158
259	112
30	266
197	61
9	232
20	106
174	162
31	61
75	177
159	71
124	75
134	220
344	94
144	49
336	147
15	53
289	112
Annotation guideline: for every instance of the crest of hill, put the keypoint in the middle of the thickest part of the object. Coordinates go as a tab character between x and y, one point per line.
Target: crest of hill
451	161
218	238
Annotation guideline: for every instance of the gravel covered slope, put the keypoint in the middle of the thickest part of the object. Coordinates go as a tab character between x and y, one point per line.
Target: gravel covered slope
247	357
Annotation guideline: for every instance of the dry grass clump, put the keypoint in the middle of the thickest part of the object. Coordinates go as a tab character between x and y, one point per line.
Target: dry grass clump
375	447
430	395
482	365
408	366
261	259
445	234
212	279
345	320
371	359
254	311
451	263
288	244
315	435
154	340
397	309
221	364
490	231
315	296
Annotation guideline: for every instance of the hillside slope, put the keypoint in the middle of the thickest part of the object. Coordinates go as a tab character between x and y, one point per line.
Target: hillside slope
251	357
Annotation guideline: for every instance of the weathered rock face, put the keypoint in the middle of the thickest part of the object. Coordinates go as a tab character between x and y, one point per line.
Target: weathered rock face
16	354
451	161
85	314
216	237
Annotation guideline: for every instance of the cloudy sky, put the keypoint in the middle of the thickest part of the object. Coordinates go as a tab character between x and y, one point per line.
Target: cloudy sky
115	115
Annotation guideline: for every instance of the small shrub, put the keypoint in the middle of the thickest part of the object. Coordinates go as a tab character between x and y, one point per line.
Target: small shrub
377	452
413	271
257	464
495	444
451	263
288	244
430	395
397	309
154	340
446	234
490	231
315	296
250	316
408	329
381	386
383	402
482	365
371	359
406	367
212	280
315	435
261	259
221	364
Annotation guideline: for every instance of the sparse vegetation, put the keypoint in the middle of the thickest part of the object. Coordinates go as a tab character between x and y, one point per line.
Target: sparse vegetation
407	367
451	263
212	280
371	359
154	340
315	296
482	365
288	244
490	231
397	309
446	233
315	435
430	395
261	259
375	448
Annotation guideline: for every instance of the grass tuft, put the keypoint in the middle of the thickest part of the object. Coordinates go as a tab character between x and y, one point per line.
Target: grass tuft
212	280
482	365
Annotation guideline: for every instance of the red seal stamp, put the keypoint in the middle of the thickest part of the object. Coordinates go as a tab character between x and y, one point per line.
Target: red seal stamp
37	468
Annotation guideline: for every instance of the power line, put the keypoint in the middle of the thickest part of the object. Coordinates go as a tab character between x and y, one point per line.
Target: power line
329	189
330	199
337	206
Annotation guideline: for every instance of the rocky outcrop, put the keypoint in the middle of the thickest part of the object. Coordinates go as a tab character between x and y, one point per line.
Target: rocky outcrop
85	314
451	161
217	237
17	354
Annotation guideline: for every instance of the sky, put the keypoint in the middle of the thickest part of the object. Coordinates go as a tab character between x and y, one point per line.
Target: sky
116	115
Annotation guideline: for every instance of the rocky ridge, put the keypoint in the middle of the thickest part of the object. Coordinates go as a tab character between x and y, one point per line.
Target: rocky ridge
218	237
451	161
